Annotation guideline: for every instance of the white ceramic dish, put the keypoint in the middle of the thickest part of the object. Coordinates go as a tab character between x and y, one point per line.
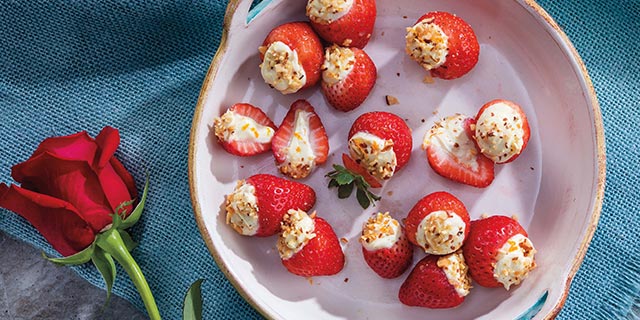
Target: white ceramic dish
555	187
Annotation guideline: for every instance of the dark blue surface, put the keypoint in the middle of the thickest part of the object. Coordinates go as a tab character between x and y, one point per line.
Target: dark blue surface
67	66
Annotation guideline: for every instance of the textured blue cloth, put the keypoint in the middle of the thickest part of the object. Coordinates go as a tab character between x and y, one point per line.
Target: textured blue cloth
67	66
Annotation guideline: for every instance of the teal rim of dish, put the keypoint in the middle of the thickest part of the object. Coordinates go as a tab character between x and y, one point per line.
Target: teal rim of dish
256	9
535	308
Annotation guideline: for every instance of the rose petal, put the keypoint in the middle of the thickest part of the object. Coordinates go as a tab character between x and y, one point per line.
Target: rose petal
72	181
79	146
57	220
125	176
108	140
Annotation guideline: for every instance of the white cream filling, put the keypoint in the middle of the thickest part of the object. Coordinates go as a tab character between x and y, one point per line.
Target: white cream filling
441	232
499	132
300	159
514	261
338	63
380	231
297	229
327	11
235	127
282	69
449	135
427	44
374	154
242	209
456	270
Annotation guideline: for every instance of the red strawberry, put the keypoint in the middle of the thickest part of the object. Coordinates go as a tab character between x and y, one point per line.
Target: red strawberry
386	126
385	246
244	130
498	245
443	44
291	57
318	254
257	205
438	223
452	152
349	24
501	130
347	78
436	282
355	168
301	142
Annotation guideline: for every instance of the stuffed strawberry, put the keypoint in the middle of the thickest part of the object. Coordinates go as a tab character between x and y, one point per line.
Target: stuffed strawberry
438	223
437	282
443	44
301	142
498	252
453	154
381	143
308	246
501	130
348	75
348	23
244	130
291	55
256	206
385	246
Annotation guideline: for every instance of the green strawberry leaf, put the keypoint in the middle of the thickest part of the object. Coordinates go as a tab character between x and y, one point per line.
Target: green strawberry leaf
104	263
192	307
346	181
79	258
137	212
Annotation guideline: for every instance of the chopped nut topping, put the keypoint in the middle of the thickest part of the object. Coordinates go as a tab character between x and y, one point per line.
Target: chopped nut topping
428	79
242	209
327	11
427	44
374	154
441	232
281	68
514	261
380	231
456	271
391	100
297	229
338	63
499	132
232	126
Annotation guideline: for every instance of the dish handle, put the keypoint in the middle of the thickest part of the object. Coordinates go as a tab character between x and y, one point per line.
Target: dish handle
240	13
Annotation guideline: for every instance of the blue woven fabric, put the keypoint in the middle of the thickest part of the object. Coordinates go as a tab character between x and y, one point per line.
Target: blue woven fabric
67	66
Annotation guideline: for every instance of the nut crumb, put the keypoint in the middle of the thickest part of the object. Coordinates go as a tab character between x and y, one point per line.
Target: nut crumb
404	17
346	280
428	79
310	280
344	240
434	112
484	216
382	34
515	217
390	193
391	100
398	74
531	168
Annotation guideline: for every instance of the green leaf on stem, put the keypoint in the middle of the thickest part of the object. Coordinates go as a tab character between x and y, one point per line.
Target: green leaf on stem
137	212
346	181
104	262
128	241
192	308
79	258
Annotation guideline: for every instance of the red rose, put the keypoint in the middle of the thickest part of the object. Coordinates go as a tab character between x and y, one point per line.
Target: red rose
70	187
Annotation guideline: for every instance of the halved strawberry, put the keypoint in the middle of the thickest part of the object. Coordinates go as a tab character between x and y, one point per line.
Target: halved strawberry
438	223
301	142
347	23
501	130
256	206
436	282
385	246
348	75
308	246
381	143
355	168
443	44
291	56
498	252
244	130
453	154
